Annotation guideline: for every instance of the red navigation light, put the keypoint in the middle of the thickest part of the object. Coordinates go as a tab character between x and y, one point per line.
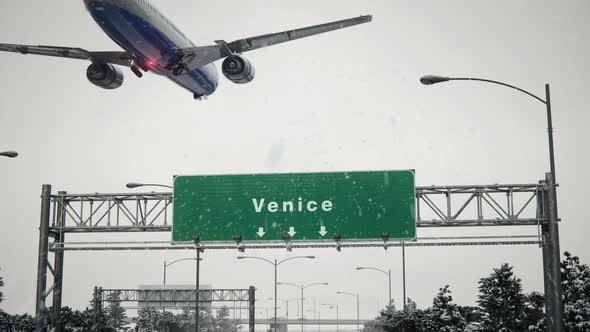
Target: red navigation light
151	63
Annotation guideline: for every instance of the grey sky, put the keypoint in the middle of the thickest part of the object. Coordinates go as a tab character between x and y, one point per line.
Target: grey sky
347	100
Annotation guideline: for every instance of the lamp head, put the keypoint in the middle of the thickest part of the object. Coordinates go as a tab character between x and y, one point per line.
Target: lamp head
360	268
9	154
433	79
132	185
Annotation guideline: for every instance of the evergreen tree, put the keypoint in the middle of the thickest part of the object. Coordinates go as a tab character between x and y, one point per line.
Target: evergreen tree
407	320
115	314
473	315
147	319
444	315
1	285
373	326
534	312
501	298
575	279
222	322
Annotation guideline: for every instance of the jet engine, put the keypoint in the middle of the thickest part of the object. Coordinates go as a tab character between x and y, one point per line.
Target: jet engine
238	69
105	75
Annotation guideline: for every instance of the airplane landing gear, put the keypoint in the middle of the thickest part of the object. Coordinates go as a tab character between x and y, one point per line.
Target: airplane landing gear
136	71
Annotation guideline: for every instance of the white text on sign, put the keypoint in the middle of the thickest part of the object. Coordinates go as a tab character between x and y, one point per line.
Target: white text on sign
290	206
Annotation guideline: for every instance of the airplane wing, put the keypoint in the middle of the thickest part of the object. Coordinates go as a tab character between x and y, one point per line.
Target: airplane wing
118	58
196	57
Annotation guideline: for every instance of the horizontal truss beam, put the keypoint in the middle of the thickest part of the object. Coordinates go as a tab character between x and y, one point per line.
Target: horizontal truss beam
436	206
302	245
173	295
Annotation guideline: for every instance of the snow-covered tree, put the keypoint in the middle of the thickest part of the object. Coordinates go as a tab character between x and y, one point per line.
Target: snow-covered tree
1	285
20	323
444	315
575	279
115	314
534	312
147	319
222	322
502	300
392	320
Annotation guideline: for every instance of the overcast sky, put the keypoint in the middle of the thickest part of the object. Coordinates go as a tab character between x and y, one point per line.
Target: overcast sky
348	100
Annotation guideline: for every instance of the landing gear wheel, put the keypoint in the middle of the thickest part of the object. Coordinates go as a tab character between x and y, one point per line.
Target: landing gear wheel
136	71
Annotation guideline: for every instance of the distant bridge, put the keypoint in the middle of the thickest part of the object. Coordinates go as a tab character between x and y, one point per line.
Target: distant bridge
316	322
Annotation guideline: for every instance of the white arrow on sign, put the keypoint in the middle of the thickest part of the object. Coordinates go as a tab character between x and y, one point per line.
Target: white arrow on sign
292	231
260	231
323	231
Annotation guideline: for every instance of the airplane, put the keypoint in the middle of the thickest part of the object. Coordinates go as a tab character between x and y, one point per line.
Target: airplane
152	43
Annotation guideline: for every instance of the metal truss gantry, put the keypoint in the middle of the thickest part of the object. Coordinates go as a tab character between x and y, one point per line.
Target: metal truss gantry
158	298
436	206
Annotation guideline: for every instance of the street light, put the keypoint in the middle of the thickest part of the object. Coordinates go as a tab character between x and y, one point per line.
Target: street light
387	273
286	305
276	264
358	319
9	154
331	307
551	251
178	260
302	287
132	185
166	265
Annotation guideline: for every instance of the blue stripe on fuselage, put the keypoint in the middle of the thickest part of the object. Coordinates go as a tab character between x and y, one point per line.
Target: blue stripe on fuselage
145	43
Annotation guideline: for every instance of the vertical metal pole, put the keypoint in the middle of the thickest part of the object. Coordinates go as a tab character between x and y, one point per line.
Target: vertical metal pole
553	226
389	286
59	263
547	278
276	266
319	318
197	289
358	317
404	271
314	309
551	245
252	313
95	316
337	320
302	308
164	282
42	257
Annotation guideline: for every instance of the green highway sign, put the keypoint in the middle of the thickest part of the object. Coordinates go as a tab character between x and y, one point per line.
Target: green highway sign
306	206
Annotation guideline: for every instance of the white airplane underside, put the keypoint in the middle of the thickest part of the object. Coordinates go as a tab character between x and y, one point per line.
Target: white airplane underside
151	43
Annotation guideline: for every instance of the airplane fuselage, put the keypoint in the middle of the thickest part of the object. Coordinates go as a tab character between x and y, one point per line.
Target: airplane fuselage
151	41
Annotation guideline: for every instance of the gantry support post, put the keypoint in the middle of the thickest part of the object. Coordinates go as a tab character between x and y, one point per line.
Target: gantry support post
42	258
59	262
252	308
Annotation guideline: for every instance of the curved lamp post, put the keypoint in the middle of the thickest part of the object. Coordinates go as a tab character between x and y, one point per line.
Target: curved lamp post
132	185
178	260
386	273
286	305
9	154
551	251
302	287
358	319
276	264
